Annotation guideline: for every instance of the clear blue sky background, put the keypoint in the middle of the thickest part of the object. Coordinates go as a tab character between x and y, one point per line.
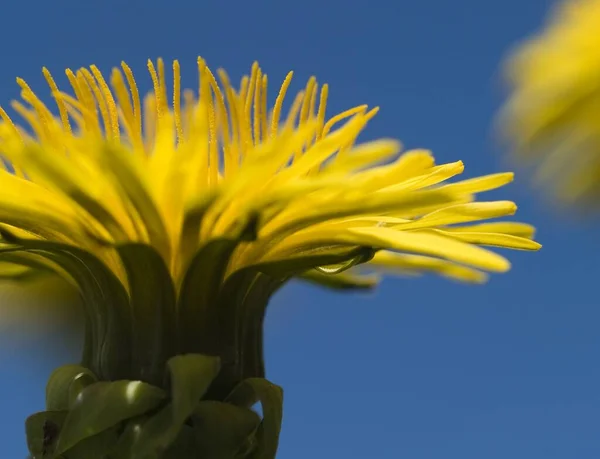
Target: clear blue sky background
421	369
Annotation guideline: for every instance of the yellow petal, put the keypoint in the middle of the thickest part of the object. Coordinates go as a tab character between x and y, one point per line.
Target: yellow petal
311	213
493	239
30	207
512	228
436	175
479	184
462	213
365	155
323	149
419	263
410	164
85	186
426	243
120	167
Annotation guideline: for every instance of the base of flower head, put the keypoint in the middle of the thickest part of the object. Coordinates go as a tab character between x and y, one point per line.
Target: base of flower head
87	418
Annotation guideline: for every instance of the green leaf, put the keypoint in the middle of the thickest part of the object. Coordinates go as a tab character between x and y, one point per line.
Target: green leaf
223	430
191	375
253	390
153	305
103	405
42	430
198	312
64	382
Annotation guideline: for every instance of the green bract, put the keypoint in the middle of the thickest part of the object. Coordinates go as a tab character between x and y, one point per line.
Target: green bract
135	420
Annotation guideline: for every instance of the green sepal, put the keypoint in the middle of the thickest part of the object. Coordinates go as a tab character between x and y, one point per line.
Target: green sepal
106	304
103	405
99	446
153	305
64	384
194	214
133	427
342	259
242	306
42	430
270	396
79	383
190	377
223	430
183	447
198	322
36	267
24	276
341	281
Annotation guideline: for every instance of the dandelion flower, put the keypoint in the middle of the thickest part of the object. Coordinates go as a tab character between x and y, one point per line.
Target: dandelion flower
552	117
177	221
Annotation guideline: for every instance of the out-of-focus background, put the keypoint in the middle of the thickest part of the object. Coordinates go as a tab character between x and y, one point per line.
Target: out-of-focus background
423	368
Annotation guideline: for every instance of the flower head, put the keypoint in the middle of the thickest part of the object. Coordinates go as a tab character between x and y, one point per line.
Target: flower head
552	116
178	221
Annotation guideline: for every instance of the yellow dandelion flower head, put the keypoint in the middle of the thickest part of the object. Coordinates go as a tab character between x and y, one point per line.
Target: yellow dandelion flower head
552	117
202	207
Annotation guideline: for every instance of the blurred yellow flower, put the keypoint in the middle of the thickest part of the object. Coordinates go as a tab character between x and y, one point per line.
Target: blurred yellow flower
552	117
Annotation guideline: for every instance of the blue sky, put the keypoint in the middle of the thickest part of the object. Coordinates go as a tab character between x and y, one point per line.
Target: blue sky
423	368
